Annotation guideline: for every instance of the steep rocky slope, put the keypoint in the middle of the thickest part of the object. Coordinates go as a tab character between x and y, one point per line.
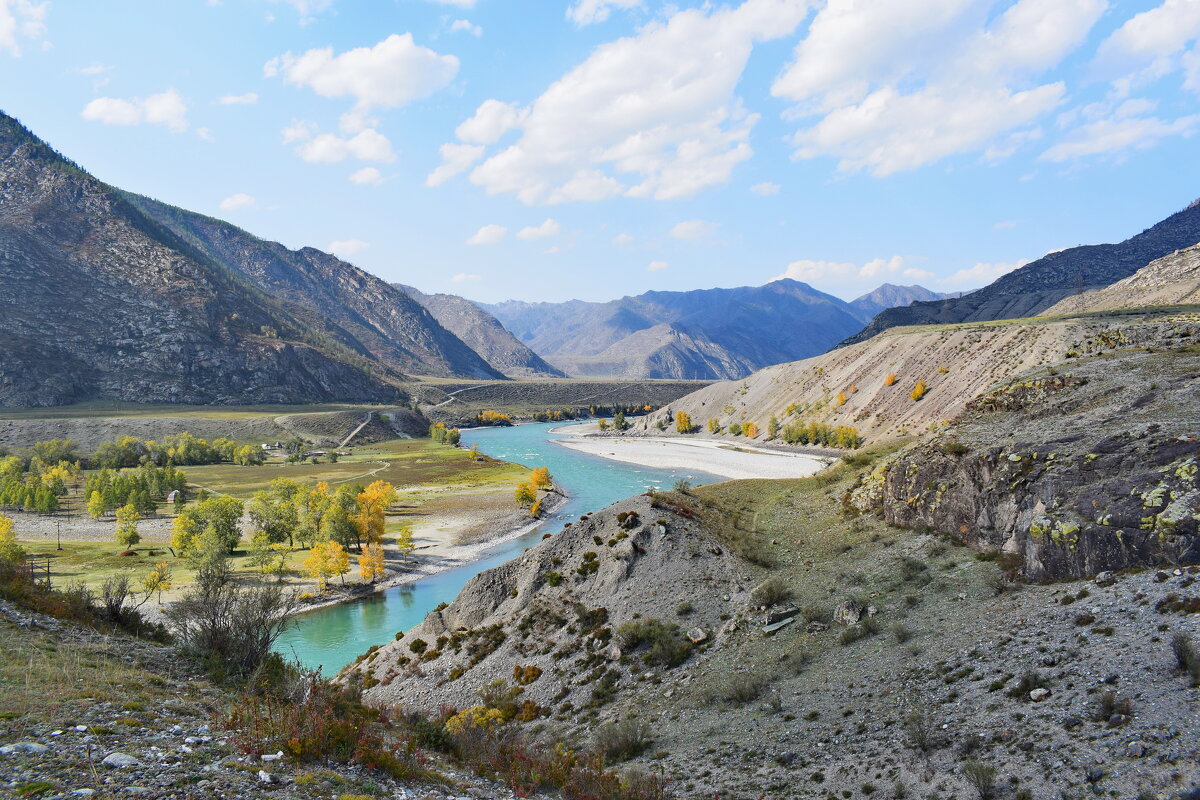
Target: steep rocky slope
1040	284
484	334
702	334
901	658
100	301
1170	280
341	301
956	363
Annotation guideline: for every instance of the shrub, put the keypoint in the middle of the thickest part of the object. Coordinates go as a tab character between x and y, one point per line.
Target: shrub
921	731
744	687
665	644
1112	708
890	380
553	578
953	447
622	741
1187	658
682	485
981	777
771	592
231	628
683	609
1031	680
919	391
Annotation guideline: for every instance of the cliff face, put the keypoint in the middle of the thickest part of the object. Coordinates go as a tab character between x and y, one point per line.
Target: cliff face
484	334
1094	468
1040	284
98	301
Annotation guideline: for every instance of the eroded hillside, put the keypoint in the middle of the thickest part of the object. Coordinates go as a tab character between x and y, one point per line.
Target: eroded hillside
870	385
1171	280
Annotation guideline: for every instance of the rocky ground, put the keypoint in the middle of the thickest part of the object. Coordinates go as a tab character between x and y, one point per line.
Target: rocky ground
88	715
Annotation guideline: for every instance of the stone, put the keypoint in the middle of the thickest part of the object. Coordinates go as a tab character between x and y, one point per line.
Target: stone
273	756
1038	695
780	614
816	626
267	778
1135	750
120	761
613	653
697	635
1071	722
848	612
26	748
770	629
872	611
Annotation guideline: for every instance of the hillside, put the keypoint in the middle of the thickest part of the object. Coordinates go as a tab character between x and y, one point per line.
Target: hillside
100	301
956	362
484	334
701	334
1040	284
1171	280
341	301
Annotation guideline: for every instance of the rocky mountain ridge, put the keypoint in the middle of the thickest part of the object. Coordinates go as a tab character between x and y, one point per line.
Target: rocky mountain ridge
484	334
701	334
1038	285
1171	280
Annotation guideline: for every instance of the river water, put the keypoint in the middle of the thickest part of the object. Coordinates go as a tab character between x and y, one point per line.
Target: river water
334	636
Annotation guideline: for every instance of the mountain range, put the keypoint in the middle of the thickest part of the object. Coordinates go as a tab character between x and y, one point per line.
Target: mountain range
699	334
1035	287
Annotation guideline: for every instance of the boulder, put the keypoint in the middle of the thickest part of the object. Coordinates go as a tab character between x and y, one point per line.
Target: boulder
1038	695
26	748
697	635
848	613
120	761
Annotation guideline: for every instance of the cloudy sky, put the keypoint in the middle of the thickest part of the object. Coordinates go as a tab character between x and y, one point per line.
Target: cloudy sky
539	149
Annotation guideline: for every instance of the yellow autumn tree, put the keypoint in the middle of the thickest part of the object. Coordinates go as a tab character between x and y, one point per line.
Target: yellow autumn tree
525	494
371	563
403	541
10	551
127	526
158	580
890	380
842	398
372	503
540	478
324	560
96	506
919	391
750	429
683	422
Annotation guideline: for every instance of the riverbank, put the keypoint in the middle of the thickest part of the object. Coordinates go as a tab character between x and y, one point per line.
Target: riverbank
726	459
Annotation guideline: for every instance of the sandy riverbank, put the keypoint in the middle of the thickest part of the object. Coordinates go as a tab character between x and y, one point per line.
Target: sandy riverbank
734	461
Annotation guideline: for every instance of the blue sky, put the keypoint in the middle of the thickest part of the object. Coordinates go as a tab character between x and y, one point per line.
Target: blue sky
545	150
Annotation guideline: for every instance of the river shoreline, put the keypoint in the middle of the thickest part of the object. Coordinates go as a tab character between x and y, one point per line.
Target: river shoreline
456	556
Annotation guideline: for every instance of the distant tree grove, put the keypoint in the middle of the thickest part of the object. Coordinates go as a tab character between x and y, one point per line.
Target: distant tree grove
443	435
840	436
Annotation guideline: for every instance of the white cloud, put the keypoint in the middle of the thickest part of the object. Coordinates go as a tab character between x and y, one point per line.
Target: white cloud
205	134
463	277
911	83
466	26
367	176
544	231
1118	135
622	239
488	234
166	108
456	158
1005	224
390	74
491	121
765	189
851	278
979	275
238	201
329	148
21	19
692	229
652	115
346	247
655	266
247	99
588	12
1151	44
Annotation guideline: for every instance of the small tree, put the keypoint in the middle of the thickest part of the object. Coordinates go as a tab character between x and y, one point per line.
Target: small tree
158	580
371	563
96	507
540	478
842	398
714	425
750	429
10	551
919	391
981	777
619	422
890	380
683	422
127	526
261	553
316	565
404	541
772	427
339	561
525	494
603	423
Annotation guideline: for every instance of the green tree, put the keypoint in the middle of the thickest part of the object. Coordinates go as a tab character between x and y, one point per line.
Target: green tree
96	507
405	543
127	525
10	551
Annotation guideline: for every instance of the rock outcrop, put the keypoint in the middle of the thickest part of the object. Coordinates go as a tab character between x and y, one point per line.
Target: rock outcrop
1168	281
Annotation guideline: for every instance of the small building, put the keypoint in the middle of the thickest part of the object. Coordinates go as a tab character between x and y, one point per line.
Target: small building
173	497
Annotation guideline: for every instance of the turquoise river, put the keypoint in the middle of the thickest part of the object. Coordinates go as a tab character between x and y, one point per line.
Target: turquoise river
333	636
